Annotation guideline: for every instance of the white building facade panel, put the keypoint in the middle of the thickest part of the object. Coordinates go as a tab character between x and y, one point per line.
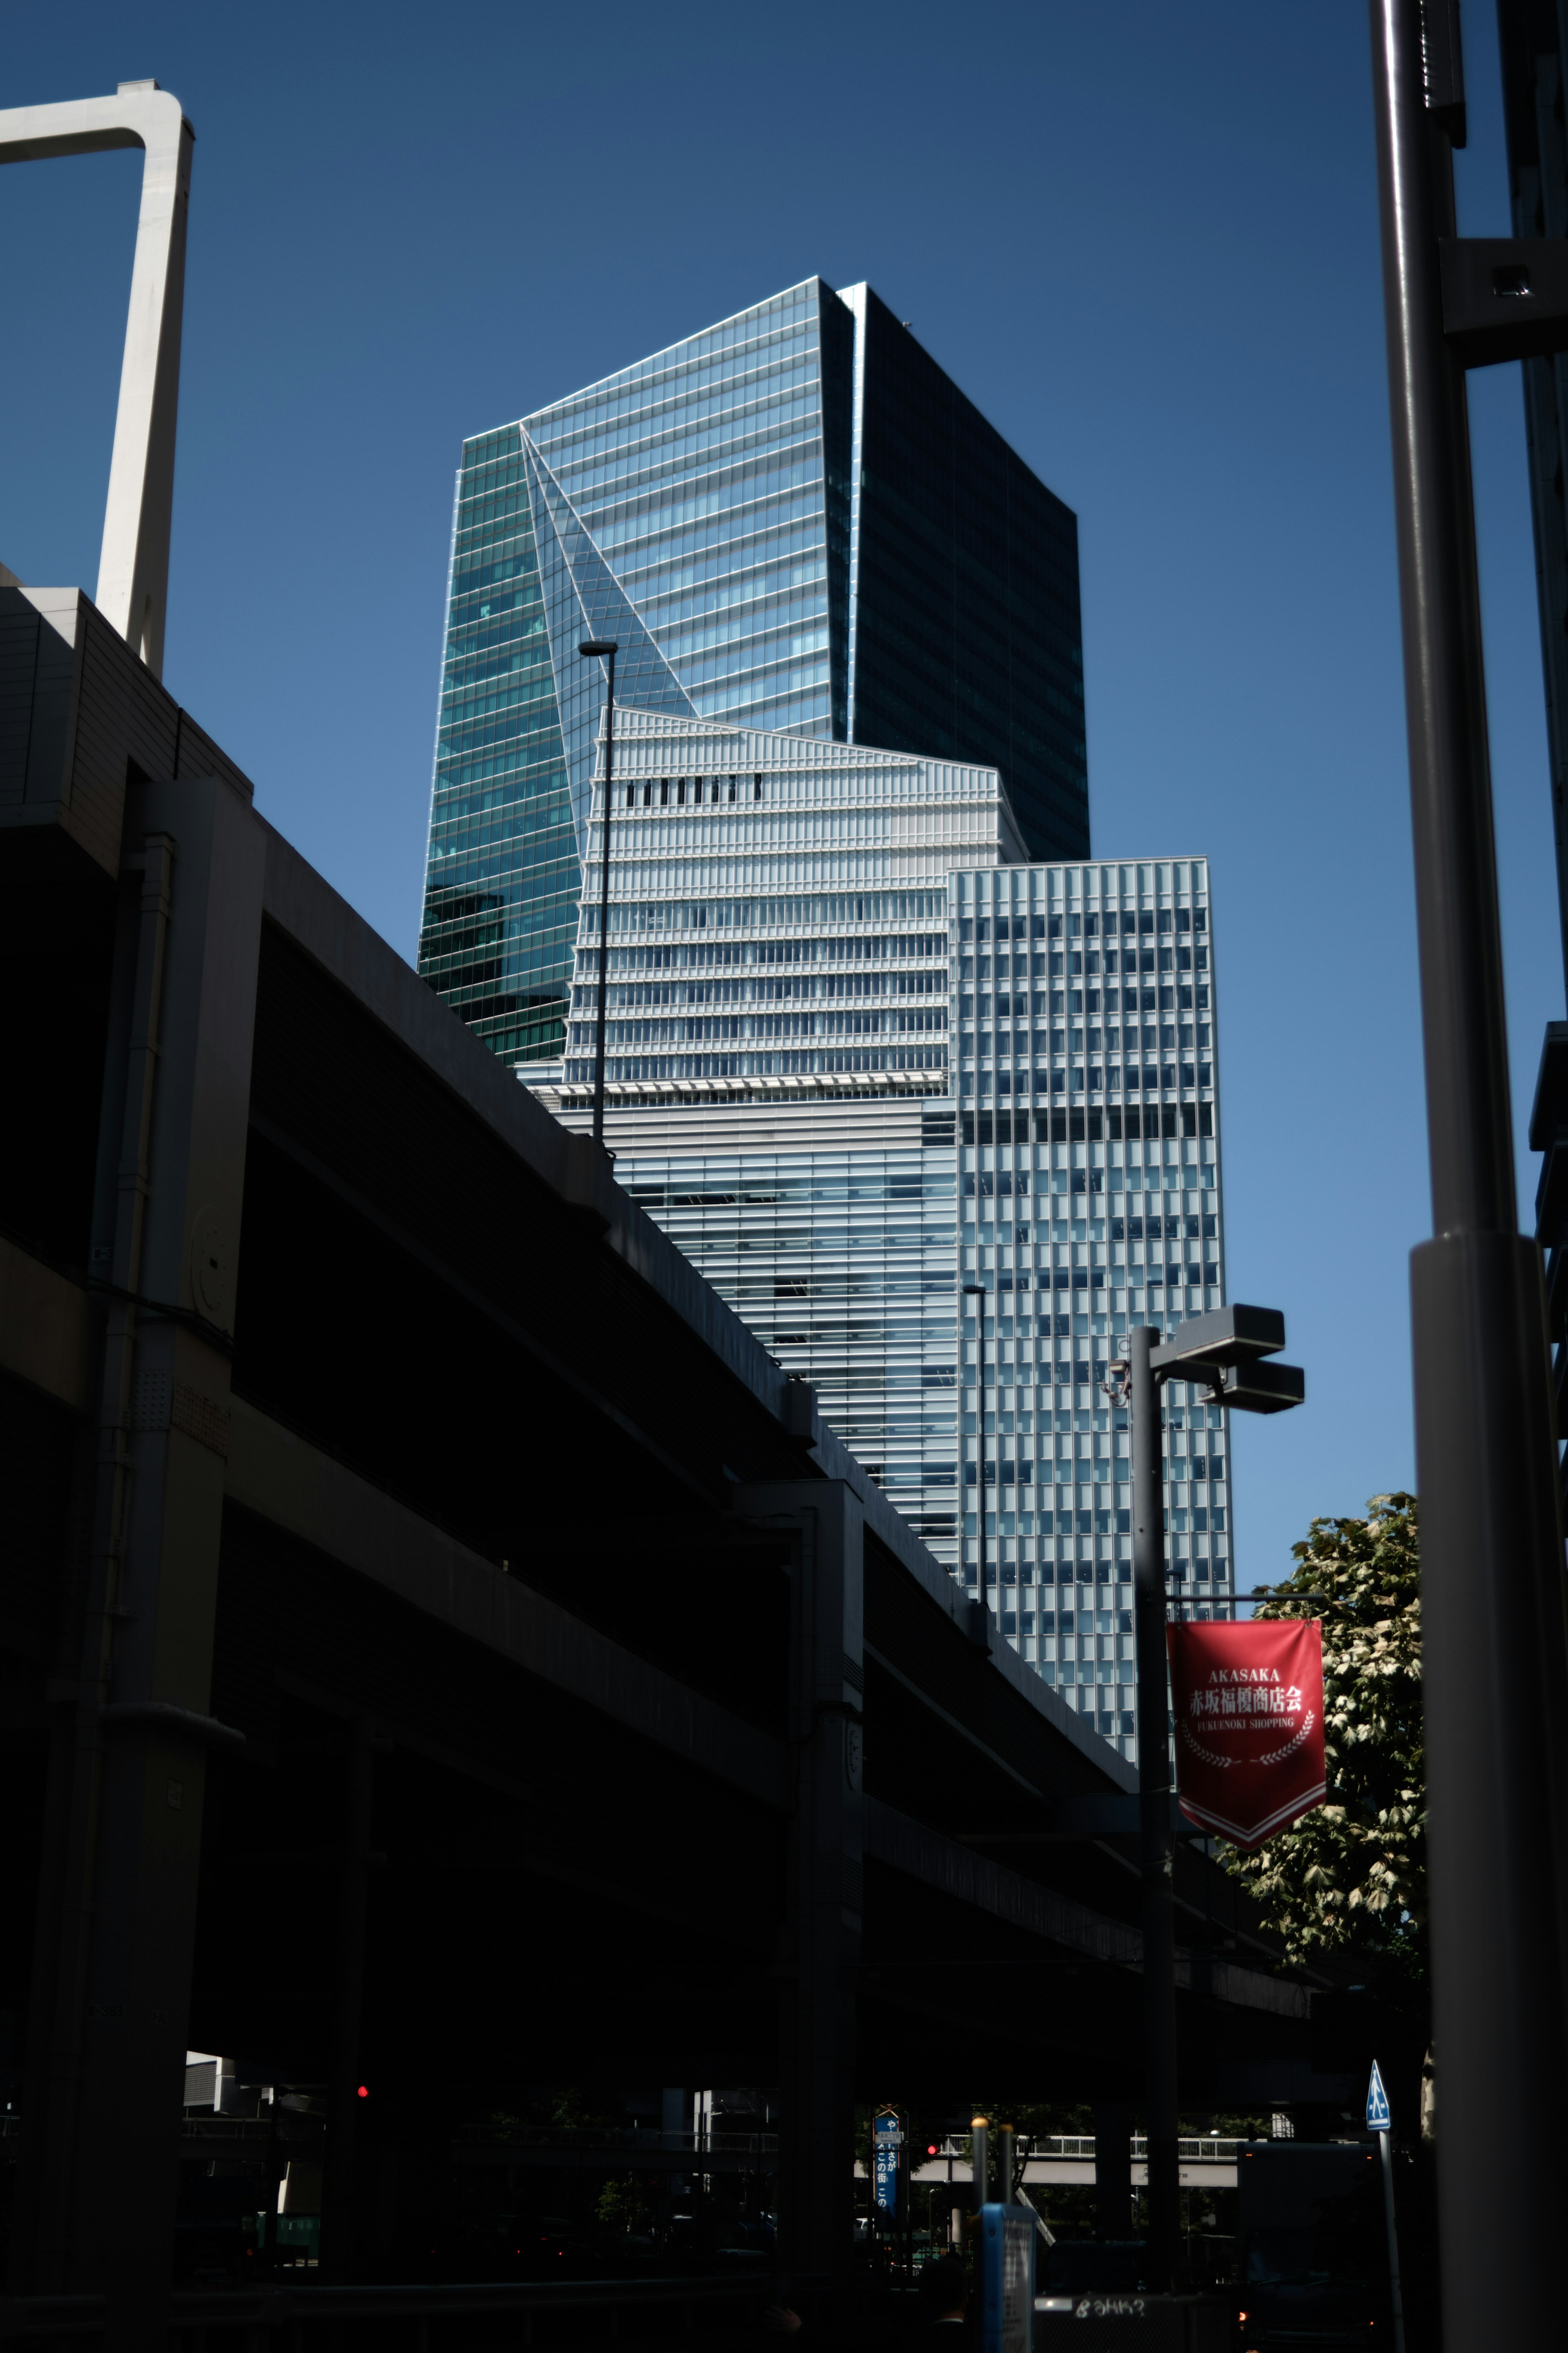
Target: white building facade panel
847	1087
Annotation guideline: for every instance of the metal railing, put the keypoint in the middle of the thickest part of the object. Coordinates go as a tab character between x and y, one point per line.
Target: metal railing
1198	2149
260	2129
259	2317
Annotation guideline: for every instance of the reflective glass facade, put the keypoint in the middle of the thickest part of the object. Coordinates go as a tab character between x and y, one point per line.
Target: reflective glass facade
1088	1199
501	878
965	641
832	1236
702	508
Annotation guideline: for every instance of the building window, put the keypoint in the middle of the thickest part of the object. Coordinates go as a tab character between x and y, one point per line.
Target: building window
733	782
756	788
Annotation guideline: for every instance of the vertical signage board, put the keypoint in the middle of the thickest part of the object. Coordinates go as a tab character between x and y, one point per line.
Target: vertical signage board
887	2164
1007	2278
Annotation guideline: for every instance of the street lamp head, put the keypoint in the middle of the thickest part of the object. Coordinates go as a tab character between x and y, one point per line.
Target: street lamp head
1225	1352
975	1290
600	647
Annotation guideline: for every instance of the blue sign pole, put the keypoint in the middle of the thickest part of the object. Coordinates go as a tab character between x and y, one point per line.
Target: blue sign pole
1380	2120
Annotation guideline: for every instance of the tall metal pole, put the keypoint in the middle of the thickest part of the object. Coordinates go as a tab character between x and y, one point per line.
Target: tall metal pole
1495	1664
609	658
1154	1810
1395	2293
980	1424
976	1291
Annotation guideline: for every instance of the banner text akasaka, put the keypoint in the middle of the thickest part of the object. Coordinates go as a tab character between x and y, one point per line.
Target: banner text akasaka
1249	1707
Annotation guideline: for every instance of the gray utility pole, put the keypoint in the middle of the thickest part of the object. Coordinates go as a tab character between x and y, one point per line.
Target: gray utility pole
1495	1667
605	651
1380	2120
978	1293
1219	1351
1155	1849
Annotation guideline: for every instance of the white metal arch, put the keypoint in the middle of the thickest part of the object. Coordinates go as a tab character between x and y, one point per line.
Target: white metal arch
134	564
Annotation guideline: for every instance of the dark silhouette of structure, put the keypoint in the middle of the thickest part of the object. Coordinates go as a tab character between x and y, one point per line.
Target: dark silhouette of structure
332	1740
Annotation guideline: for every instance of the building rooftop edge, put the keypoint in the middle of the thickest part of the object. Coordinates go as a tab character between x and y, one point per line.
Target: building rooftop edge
520	423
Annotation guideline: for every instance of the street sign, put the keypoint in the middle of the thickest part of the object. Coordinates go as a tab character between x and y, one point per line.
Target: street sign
1380	2120
886	2151
1378	2116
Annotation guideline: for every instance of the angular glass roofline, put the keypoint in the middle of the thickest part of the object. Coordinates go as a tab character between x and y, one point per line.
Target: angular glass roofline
575	576
637	367
682	343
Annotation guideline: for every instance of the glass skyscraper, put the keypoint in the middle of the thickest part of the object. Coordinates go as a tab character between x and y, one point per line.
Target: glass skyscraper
794	521
1089	1199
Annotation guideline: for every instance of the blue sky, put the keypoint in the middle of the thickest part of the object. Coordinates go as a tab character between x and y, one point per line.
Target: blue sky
1144	239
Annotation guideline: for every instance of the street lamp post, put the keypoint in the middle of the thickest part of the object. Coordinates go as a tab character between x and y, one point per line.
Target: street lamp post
977	1291
604	649
1495	1664
1154	1851
1219	1351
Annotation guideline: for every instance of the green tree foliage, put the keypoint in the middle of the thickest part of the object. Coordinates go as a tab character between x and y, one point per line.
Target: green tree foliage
1352	1875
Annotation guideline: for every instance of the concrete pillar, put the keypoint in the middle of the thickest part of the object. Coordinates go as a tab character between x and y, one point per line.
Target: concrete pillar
824	1869
1113	2171
342	2221
674	2124
109	2021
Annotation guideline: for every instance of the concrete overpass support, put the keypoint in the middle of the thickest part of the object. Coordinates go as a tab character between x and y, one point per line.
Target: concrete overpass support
1113	2171
825	1897
113	1961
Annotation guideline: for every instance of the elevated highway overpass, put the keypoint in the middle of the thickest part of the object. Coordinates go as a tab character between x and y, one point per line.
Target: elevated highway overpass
442	1652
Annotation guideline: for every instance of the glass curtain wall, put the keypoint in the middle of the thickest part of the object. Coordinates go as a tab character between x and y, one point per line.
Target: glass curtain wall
695	507
501	876
1089	1199
793	520
967	641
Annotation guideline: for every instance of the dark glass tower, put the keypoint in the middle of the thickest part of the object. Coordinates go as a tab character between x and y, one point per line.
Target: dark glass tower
965	641
792	521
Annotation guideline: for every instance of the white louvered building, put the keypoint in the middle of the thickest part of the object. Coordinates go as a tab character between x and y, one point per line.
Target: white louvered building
860	1053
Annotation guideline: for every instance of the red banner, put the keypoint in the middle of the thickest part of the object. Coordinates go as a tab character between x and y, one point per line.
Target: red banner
1247	1702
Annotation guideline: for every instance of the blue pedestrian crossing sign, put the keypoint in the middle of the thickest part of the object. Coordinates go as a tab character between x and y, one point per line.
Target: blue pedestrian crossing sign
1378	2118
